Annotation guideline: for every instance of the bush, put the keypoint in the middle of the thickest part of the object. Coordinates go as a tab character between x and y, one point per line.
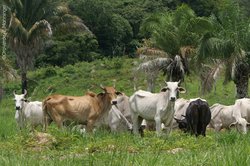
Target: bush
69	49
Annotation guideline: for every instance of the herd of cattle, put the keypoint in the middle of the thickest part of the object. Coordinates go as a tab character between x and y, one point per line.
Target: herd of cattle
112	109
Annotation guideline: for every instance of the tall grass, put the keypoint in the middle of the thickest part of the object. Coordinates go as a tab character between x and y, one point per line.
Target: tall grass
104	148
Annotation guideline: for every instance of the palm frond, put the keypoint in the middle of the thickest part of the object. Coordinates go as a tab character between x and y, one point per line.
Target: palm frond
39	29
64	22
7	73
150	53
208	76
175	71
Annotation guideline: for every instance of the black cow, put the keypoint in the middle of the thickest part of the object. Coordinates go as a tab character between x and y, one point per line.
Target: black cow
198	116
182	124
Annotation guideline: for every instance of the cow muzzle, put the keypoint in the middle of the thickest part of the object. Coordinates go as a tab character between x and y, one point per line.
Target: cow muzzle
172	98
114	102
18	108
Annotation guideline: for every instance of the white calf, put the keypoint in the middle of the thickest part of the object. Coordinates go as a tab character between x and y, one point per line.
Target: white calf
28	113
155	106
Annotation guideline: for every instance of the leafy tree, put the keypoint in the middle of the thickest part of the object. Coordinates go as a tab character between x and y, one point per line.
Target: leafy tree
229	40
29	29
203	7
113	32
68	49
26	32
170	31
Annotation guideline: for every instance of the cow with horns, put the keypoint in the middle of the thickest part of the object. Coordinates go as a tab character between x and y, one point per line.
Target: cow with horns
158	107
84	110
27	113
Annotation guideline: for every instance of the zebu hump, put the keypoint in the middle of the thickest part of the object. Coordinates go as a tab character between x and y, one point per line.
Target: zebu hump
142	93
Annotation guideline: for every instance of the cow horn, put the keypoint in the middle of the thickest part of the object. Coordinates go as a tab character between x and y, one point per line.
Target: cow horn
14	92
179	82
101	86
25	92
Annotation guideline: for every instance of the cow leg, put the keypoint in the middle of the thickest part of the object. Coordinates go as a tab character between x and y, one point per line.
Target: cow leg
90	125
141	128
45	122
195	129
203	130
135	123
158	124
217	127
58	121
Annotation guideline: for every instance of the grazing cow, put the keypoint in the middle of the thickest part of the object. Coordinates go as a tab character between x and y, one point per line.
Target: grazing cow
180	108
118	119
233	115
28	113
154	106
198	116
119	115
85	109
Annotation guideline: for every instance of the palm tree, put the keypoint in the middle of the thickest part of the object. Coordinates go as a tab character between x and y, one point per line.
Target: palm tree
170	32
29	28
228	40
26	32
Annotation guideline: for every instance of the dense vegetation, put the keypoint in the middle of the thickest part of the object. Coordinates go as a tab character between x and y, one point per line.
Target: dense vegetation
104	148
96	42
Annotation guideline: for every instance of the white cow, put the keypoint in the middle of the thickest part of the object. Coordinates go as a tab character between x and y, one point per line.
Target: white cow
180	108
119	117
228	116
155	106
27	113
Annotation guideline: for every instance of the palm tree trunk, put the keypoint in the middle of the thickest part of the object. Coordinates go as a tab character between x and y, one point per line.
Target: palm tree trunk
241	76
242	87
24	81
1	92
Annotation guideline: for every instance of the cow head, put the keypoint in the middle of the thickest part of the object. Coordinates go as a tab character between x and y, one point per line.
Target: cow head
111	93
19	100
173	89
182	124
119	99
241	125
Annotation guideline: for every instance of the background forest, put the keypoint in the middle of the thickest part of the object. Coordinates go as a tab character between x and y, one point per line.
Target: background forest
86	30
71	46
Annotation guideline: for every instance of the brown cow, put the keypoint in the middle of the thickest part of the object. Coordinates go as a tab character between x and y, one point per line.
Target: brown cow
81	109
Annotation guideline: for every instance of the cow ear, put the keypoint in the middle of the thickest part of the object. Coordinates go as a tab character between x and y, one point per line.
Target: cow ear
164	89
182	90
100	94
177	120
118	93
233	124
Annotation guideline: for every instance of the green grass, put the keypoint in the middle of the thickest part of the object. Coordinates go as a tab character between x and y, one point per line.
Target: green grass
102	147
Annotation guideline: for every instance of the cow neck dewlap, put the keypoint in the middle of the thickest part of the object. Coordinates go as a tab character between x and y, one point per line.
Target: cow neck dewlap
104	102
24	105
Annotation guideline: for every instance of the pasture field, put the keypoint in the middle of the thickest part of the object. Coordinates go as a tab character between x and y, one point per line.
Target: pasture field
65	147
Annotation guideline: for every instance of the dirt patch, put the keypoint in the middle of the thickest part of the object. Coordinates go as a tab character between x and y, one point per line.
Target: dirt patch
175	150
40	141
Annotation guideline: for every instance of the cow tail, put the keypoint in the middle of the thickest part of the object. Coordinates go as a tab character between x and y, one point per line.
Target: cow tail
46	115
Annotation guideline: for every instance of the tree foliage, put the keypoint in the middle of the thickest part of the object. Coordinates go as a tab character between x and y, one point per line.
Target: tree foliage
69	49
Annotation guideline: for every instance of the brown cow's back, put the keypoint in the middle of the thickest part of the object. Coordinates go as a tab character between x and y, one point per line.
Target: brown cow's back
81	109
